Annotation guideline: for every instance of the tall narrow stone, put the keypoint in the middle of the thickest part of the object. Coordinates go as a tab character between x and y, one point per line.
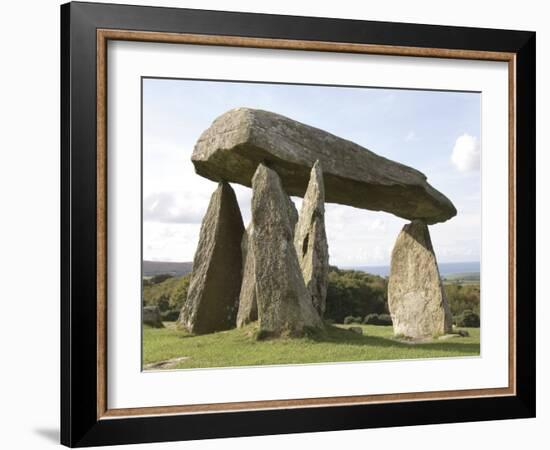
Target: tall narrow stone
284	303
416	296
310	240
248	305
212	298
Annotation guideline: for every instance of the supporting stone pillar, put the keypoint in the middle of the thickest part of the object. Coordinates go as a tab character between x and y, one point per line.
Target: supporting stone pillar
310	240
248	305
416	297
284	303
212	299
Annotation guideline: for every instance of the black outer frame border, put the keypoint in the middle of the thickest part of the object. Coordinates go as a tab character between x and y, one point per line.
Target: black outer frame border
79	425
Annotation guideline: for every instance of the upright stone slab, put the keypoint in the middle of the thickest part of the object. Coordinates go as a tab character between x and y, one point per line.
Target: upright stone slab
248	305
213	294
416	297
310	240
284	303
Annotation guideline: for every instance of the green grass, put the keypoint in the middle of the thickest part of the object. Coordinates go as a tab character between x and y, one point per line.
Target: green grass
239	347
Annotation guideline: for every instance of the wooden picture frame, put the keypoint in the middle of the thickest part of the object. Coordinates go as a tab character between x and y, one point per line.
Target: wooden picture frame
85	417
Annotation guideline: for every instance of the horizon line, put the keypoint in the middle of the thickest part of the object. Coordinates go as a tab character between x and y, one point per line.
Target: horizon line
343	265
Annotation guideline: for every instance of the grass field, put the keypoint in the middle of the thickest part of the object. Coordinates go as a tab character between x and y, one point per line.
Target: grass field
169	348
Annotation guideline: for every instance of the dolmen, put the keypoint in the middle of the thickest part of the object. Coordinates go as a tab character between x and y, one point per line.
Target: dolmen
275	272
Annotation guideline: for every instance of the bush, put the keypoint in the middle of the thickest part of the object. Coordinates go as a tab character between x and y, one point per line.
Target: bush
462	298
354	293
467	319
156	279
377	319
351	319
172	315
384	319
370	319
168	295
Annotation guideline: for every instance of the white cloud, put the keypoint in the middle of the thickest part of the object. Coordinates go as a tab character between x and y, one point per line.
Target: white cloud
174	207
170	242
466	153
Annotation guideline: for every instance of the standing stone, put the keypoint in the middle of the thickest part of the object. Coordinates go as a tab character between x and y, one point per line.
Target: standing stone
416	297
284	303
212	299
310	240
292	214
248	305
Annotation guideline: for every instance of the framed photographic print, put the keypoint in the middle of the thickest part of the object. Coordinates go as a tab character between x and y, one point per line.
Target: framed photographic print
277	224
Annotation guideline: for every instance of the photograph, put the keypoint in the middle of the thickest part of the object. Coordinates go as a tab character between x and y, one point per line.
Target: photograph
287	224
291	222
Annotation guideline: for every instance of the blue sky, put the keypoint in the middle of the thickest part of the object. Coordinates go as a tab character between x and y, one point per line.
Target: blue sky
435	132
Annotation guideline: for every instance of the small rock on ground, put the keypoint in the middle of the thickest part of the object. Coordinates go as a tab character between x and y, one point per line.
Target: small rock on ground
167	364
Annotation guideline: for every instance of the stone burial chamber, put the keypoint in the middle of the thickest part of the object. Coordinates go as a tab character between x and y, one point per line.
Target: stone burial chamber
275	272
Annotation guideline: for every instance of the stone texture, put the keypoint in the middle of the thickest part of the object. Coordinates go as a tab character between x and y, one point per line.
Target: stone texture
237	141
310	240
151	316
248	305
212	298
416	297
284	303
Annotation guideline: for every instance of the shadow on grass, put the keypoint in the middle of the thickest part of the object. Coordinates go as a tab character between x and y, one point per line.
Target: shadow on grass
336	335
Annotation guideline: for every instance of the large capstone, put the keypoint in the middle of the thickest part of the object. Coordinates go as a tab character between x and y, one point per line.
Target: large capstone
248	305
240	139
416	296
310	240
213	294
284	303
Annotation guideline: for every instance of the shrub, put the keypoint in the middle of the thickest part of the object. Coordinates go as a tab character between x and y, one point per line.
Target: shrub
156	279
370	319
171	315
169	294
470	319
377	319
352	319
462	297
467	319
384	319
354	293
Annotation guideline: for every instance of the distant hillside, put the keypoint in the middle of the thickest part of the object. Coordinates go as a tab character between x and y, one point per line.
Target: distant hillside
151	268
446	270
466	276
